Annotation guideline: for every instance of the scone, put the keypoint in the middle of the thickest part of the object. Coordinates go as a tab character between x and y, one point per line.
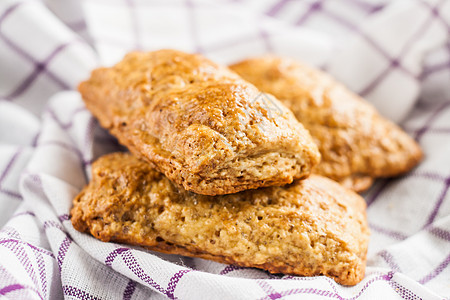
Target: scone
310	227
199	123
356	143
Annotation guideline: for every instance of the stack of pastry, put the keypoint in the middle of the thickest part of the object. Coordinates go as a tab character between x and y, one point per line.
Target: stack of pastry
225	163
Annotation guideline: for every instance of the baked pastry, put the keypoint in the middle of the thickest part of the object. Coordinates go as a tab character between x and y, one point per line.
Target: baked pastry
310	227
199	123
356	143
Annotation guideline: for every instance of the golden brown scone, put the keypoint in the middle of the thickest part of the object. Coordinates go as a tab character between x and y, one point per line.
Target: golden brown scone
356	143
199	123
311	227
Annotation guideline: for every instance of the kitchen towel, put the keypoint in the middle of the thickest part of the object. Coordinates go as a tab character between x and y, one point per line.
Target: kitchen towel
394	53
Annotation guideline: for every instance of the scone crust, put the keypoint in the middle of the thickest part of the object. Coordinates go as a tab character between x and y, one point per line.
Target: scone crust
356	143
311	227
199	123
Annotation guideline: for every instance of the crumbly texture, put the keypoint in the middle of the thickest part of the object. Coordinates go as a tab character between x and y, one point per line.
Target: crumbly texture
199	123
310	227
356	143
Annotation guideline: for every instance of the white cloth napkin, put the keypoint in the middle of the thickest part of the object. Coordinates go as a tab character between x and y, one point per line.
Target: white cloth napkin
395	53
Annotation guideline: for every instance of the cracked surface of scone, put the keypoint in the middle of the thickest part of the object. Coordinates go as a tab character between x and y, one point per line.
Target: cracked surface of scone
356	143
310	227
199	123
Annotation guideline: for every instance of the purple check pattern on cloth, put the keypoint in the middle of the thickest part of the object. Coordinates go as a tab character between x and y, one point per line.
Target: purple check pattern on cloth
394	53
